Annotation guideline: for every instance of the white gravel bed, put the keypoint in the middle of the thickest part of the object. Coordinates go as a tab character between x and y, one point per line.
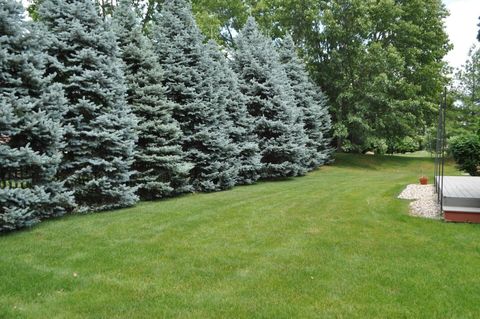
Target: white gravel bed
424	200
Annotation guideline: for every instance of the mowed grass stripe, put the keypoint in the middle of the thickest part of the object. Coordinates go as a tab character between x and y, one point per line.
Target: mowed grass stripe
335	243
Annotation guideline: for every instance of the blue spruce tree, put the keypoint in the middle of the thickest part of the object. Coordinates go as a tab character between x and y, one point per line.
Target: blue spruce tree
101	133
271	103
240	129
181	52
313	105
30	130
161	169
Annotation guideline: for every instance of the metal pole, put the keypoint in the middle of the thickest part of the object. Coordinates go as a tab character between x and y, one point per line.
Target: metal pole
444	142
437	146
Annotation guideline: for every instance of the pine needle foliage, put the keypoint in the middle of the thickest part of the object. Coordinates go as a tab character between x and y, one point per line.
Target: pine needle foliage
160	165
270	102
30	130
313	106
182	54
101	133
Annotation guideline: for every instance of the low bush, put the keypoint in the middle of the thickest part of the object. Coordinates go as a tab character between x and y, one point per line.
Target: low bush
402	146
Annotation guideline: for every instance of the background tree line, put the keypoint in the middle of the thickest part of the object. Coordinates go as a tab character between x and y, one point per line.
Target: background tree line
464	114
379	62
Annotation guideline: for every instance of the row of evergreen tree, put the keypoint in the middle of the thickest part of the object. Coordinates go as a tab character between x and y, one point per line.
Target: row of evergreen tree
96	114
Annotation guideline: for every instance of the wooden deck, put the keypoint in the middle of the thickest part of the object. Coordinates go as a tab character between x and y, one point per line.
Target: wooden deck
461	198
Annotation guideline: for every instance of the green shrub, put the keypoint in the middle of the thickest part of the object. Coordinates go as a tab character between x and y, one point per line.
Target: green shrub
404	145
379	145
407	145
466	152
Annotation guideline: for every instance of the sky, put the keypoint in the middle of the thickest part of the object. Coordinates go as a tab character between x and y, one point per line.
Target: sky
461	28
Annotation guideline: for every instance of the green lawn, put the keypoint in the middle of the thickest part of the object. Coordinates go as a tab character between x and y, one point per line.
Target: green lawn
333	244
417	154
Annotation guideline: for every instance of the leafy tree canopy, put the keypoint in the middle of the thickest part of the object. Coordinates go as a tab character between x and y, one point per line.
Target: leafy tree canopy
379	62
464	115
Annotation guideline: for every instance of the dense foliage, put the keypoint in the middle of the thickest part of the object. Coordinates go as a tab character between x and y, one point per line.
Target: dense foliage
466	152
191	85
464	116
160	165
30	130
101	133
241	128
312	103
271	103
379	62
464	127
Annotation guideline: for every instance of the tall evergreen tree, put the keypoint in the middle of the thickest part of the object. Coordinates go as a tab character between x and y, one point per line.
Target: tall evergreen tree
241	129
30	129
181	52
270	101
312	103
102	130
159	161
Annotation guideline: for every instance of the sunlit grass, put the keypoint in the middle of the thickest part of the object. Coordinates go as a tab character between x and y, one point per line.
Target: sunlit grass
335	243
426	154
